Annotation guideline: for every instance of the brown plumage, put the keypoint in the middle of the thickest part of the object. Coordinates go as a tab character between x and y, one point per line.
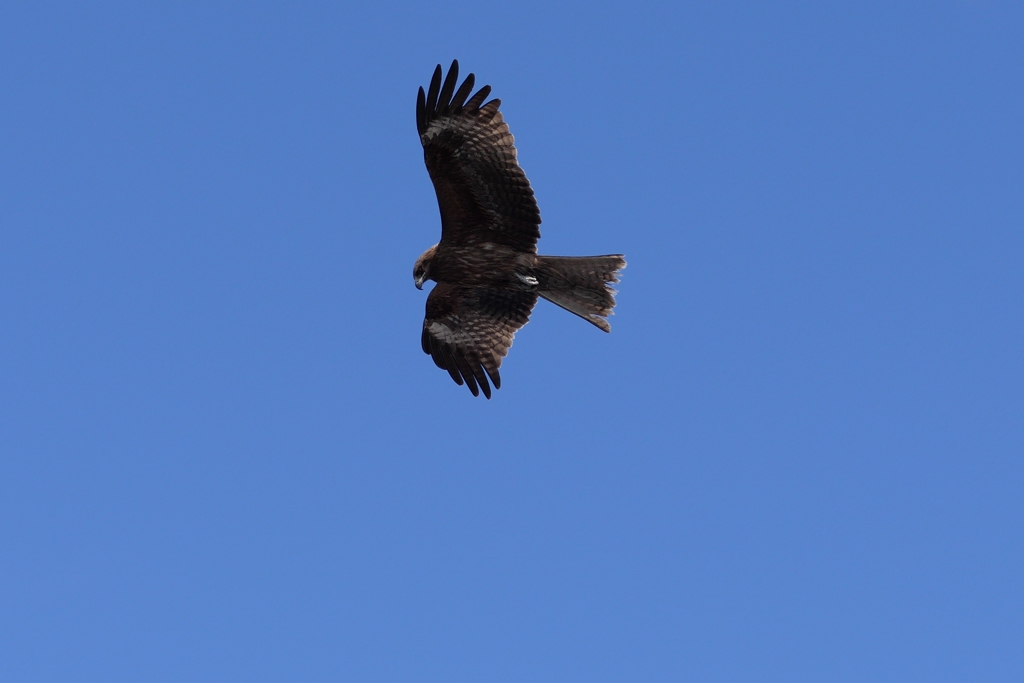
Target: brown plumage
486	265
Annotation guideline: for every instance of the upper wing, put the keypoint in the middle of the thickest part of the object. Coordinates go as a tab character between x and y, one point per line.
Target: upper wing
468	331
483	193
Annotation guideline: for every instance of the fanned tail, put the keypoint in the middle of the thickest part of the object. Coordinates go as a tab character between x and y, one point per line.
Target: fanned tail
581	284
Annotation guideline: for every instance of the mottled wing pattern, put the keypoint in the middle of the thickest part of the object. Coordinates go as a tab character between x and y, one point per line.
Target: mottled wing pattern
483	194
468	331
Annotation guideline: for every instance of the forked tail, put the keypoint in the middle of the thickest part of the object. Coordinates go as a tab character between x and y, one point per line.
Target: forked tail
581	284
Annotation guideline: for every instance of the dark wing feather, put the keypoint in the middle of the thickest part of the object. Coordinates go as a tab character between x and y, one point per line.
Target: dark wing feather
477	99
445	98
435	85
421	110
483	194
468	331
460	97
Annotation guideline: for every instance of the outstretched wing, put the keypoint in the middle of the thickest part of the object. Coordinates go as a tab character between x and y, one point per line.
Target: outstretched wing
483	194
467	331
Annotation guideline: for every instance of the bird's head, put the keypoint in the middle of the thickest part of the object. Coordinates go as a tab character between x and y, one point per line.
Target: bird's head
421	271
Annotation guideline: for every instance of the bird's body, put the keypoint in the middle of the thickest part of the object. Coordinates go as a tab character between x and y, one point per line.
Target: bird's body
481	265
486	266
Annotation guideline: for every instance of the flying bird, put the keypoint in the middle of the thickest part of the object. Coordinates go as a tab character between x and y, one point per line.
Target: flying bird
486	266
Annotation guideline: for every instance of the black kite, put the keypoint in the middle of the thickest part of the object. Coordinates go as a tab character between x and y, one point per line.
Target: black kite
486	266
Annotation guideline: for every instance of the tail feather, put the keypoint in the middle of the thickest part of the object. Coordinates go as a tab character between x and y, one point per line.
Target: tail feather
581	284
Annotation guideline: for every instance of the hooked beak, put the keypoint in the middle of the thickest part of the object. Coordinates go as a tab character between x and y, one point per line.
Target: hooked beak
419	282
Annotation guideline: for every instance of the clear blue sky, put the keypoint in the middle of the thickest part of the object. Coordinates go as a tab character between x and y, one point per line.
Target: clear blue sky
797	457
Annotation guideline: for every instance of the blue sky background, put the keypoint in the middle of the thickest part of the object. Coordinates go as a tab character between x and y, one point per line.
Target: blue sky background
797	457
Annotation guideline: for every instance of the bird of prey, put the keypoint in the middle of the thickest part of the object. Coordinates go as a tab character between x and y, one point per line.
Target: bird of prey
486	266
